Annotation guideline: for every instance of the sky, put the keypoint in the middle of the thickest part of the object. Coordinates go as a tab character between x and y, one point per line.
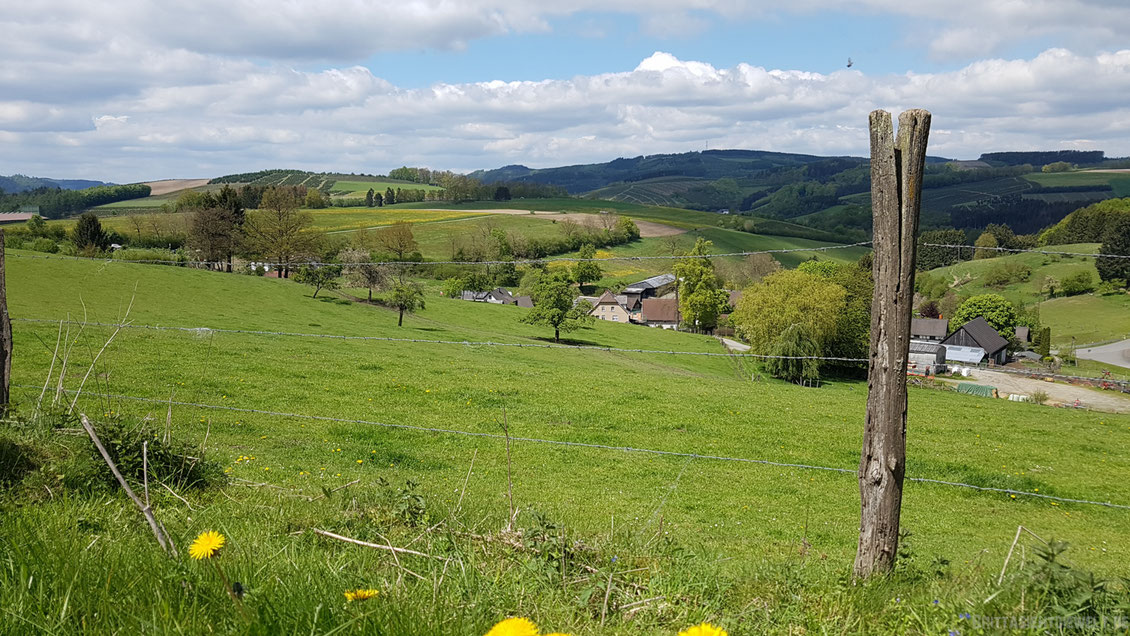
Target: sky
136	90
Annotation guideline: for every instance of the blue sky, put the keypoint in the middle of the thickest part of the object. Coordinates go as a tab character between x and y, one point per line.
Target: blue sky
141	89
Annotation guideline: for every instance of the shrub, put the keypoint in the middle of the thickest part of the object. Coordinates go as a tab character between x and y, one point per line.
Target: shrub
1039	396
1080	282
1006	273
148	254
174	463
45	245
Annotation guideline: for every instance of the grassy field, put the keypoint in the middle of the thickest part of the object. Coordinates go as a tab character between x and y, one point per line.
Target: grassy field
1080	178
747	546
1087	317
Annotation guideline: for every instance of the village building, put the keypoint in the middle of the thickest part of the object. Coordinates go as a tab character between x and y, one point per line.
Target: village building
926	358
654	287
929	329
608	308
976	334
660	312
496	296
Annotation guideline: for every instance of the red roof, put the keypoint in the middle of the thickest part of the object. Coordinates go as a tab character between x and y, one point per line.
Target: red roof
660	310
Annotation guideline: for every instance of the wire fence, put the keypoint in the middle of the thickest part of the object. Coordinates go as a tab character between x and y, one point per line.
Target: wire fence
575	444
462	343
522	261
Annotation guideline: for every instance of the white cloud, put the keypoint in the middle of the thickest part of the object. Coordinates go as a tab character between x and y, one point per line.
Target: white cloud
141	90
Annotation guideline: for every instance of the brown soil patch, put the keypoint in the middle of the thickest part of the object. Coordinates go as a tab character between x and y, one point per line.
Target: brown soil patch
165	186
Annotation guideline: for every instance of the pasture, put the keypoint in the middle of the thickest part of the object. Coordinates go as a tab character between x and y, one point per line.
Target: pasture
348	188
711	539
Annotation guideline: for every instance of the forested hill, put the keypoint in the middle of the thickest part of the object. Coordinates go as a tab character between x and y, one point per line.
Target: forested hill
708	164
21	183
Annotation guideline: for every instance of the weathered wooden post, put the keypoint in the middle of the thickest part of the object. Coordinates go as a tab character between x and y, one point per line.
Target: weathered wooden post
896	187
5	335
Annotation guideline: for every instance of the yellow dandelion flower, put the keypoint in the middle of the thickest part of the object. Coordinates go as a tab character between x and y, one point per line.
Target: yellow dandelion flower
514	627
206	545
705	629
358	461
360	594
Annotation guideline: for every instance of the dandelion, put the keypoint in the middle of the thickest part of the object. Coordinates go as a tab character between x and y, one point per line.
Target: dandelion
359	461
360	594
705	629
206	545
514	627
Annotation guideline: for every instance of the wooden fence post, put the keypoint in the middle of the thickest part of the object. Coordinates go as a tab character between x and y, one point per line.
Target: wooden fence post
5	335
896	187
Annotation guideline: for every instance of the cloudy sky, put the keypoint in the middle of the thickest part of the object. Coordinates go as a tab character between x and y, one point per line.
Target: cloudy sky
134	90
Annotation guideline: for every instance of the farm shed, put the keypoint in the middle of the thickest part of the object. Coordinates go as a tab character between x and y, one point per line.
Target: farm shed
496	296
926	358
928	329
979	333
653	287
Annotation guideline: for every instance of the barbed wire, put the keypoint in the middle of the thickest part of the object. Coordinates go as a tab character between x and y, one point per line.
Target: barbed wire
525	261
536	440
1027	250
467	343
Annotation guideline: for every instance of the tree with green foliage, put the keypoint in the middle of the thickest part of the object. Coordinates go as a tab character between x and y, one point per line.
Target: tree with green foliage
369	198
88	235
1057	166
453	287
701	301
929	257
229	199
1043	344
587	271
319	277
214	235
985	244
554	307
389	197
1116	242
406	296
502	193
378	200
1080	282
36	226
786	298
1087	225
314	199
994	308
797	351
852	337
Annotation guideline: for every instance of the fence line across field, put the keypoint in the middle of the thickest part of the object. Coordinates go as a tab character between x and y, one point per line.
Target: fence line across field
522	345
466	343
974	248
524	261
536	440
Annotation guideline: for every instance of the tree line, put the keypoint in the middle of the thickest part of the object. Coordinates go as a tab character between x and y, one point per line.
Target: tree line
55	203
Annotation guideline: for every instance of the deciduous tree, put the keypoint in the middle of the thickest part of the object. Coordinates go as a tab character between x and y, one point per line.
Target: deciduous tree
397	239
362	273
587	271
994	308
279	232
319	277
1116	242
406	296
553	305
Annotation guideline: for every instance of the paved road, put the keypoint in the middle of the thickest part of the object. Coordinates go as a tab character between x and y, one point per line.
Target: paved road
734	345
1117	353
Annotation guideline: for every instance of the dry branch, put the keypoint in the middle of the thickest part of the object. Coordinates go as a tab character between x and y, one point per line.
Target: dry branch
378	546
162	539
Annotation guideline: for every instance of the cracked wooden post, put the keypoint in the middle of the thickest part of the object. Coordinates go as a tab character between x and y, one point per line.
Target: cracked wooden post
5	335
896	188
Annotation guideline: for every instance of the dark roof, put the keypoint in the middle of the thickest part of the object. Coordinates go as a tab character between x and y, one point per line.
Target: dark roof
928	327
981	333
1022	333
524	301
653	282
660	310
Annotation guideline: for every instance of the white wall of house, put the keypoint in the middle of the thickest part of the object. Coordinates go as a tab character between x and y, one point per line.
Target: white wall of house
611	312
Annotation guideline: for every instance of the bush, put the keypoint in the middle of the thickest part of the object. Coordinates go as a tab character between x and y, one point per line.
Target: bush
1039	396
175	464
1080	282
149	254
45	245
1007	273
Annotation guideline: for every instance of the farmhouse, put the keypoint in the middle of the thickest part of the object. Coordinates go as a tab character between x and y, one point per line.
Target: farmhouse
660	312
976	334
15	217
608	308
653	287
496	296
929	329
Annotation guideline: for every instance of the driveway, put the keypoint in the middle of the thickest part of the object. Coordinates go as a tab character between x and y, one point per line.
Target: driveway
1058	393
733	345
1117	353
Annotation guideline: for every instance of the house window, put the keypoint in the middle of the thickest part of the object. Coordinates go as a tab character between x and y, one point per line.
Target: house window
616	318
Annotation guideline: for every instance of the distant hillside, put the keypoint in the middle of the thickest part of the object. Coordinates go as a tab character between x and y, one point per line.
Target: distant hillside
22	183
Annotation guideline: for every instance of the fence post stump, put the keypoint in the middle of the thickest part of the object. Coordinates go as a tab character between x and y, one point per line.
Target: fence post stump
5	335
896	188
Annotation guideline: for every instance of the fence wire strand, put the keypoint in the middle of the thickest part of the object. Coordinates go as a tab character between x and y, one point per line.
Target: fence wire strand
566	443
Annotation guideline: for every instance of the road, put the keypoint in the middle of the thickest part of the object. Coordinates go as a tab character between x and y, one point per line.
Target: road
733	345
1007	383
1117	353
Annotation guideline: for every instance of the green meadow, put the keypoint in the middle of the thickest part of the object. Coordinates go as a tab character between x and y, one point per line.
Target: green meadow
606	540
